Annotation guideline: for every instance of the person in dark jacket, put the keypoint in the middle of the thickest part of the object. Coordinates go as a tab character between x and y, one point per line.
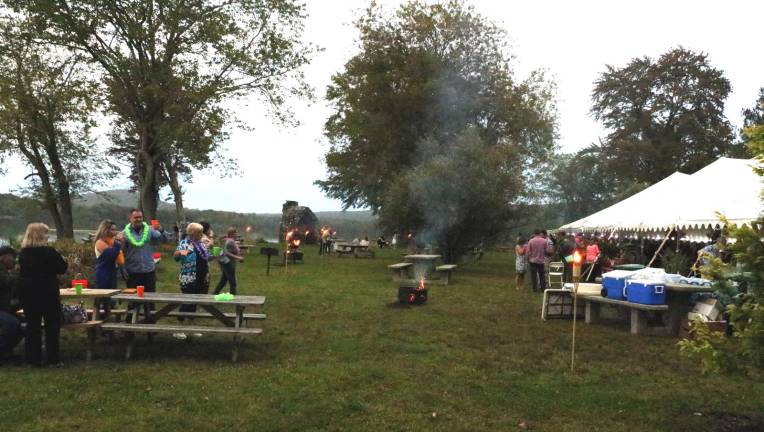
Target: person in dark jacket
10	326
38	289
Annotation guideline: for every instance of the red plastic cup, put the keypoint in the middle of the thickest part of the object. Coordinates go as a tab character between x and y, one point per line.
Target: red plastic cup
154	223
139	290
157	255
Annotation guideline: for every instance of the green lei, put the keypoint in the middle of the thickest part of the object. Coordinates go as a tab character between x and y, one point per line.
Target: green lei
144	236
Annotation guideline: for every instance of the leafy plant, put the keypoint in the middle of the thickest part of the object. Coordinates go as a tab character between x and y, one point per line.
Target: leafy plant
745	350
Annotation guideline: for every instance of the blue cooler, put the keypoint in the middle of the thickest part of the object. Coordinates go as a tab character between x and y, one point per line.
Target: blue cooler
646	292
613	283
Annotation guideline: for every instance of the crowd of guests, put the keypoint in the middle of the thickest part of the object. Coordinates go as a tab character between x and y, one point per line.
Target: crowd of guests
29	277
533	256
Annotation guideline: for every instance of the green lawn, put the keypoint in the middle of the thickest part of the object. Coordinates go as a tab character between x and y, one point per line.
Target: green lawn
338	353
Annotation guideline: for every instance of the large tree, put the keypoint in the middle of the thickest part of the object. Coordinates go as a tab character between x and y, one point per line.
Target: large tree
47	99
171	61
663	115
579	182
423	77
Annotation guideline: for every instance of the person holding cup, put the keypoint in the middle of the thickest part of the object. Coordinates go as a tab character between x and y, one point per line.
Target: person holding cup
193	256
227	259
140	239
108	246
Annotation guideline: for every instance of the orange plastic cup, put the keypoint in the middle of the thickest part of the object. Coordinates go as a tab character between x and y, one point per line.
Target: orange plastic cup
154	223
139	290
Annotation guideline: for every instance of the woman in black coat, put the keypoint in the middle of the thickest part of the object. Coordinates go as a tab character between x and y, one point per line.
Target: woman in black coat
38	289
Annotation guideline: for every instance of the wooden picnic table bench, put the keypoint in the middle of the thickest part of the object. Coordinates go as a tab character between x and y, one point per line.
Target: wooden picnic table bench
400	270
446	269
234	324
638	312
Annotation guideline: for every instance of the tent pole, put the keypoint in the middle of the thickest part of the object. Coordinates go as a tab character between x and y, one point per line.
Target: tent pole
668	234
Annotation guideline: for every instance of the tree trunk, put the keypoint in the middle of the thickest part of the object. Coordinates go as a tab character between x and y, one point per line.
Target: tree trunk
177	192
48	193
62	189
147	172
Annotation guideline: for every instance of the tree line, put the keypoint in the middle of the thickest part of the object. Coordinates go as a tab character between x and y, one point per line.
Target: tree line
433	130
157	71
431	127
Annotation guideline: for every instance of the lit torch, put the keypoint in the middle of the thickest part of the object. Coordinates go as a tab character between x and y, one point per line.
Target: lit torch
577	258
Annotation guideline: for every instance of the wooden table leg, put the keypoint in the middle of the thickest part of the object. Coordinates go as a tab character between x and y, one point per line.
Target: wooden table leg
592	312
638	321
678	307
91	343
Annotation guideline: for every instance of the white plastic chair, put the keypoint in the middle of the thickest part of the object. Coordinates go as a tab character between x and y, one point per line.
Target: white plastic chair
555	274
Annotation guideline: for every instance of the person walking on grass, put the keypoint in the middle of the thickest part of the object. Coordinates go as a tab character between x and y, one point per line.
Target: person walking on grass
521	250
227	260
537	253
39	265
194	258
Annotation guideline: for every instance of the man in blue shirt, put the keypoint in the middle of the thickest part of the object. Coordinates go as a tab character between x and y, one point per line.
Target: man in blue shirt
139	251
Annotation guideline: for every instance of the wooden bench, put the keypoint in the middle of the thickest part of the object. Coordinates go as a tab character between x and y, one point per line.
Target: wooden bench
253	316
400	270
446	269
362	252
237	333
638	312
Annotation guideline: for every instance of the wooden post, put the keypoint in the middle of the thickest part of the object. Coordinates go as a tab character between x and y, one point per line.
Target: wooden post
668	234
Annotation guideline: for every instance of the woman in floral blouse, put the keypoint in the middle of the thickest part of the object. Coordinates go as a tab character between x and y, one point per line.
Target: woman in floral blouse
193	256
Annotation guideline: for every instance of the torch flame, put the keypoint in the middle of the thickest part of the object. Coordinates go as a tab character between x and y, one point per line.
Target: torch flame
421	284
297	242
577	257
307	232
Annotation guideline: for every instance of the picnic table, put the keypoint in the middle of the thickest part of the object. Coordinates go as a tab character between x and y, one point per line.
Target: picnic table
631	267
676	307
233	324
96	320
354	249
424	264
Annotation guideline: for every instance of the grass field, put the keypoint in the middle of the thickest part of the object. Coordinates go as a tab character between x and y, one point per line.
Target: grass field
338	353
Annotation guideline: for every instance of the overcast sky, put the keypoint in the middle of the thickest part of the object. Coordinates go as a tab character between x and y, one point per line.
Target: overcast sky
572	41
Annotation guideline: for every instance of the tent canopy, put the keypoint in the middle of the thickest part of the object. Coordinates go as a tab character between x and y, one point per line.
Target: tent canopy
727	187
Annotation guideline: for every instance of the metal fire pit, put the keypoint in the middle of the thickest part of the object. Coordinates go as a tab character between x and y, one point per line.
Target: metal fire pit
412	293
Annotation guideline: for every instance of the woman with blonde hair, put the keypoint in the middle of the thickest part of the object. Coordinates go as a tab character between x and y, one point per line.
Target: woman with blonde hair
38	289
108	251
194	267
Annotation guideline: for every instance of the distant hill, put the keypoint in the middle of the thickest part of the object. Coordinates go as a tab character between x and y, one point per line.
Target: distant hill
88	211
117	197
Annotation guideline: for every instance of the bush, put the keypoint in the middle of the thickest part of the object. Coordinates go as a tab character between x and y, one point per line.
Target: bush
81	259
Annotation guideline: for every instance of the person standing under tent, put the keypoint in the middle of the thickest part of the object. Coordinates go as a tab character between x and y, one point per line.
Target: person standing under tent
537	252
592	259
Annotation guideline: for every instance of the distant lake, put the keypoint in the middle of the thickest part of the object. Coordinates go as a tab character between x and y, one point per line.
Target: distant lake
78	235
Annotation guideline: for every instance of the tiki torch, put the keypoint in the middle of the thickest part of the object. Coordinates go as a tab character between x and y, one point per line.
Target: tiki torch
577	258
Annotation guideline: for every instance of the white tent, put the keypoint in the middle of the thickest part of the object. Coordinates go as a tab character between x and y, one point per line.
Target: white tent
689	202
